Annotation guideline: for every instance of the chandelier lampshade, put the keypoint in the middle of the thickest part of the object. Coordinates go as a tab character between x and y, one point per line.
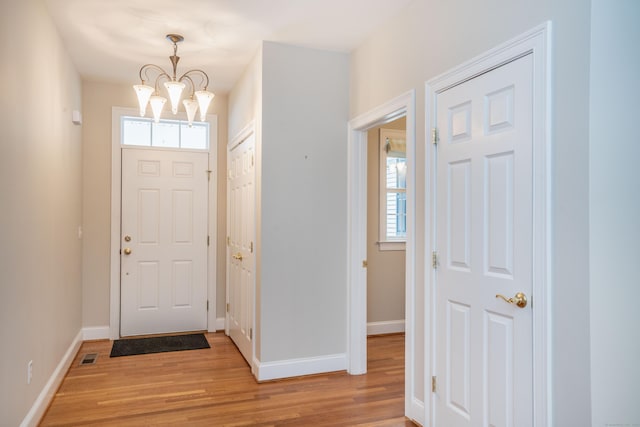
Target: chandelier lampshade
204	99
144	92
196	80
175	92
191	107
157	103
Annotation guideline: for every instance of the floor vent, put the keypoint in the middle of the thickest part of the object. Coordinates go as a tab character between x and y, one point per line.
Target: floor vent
89	359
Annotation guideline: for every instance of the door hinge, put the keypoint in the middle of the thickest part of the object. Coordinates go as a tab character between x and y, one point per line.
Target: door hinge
251	247
434	136
208	240
250	333
208	174
227	307
228	241
364	263
434	259
433	384
207	305
252	160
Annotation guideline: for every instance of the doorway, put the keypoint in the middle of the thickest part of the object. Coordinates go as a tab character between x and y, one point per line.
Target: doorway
401	106
119	116
488	231
386	227
163	263
241	225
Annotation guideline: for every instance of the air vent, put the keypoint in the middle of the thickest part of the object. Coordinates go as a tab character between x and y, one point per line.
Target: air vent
89	359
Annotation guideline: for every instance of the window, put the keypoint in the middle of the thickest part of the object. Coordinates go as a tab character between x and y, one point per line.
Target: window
166	134
393	189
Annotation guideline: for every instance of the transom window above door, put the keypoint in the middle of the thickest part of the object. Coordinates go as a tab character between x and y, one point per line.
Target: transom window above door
142	132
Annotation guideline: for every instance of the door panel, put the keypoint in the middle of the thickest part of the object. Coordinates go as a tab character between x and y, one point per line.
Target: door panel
241	229
484	203
164	215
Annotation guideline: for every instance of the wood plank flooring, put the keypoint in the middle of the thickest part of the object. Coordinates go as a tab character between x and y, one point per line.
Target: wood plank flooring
214	387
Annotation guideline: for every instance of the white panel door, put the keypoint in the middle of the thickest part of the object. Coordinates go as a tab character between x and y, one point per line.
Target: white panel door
483	353
241	230
164	242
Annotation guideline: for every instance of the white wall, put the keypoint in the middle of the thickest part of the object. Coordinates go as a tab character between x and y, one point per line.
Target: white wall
303	208
40	195
614	208
430	37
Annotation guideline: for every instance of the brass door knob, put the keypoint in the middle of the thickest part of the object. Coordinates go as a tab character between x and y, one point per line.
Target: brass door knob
519	299
237	256
127	251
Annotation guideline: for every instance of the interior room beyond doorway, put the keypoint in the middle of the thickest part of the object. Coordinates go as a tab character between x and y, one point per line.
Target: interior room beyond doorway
386	227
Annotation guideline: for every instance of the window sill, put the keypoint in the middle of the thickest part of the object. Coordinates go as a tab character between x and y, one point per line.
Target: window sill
392	246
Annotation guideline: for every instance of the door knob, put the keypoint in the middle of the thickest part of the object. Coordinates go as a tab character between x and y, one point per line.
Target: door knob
237	256
127	251
519	299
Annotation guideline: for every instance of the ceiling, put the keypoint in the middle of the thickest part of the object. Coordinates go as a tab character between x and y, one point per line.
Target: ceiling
111	40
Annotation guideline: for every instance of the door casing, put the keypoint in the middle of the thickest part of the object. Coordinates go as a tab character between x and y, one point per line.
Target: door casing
537	43
116	193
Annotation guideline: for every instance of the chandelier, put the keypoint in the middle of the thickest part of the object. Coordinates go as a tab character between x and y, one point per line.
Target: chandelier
200	97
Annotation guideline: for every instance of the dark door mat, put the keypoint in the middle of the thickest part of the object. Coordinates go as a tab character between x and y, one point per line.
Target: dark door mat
130	347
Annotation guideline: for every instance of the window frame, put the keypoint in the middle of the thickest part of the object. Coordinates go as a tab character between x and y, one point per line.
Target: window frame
384	242
180	121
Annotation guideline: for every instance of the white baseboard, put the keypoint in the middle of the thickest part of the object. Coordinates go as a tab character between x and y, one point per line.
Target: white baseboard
41	404
95	333
220	324
298	367
416	412
386	327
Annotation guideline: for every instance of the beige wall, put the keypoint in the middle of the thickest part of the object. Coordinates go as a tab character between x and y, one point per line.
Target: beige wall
98	100
245	106
430	37
40	196
385	269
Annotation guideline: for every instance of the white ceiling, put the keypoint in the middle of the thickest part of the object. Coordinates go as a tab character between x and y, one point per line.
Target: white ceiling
111	39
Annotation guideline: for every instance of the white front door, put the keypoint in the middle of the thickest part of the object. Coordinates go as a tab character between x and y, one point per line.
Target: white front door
484	207
163	241
241	230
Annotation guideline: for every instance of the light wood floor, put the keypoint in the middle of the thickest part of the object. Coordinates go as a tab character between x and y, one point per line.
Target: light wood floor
214	387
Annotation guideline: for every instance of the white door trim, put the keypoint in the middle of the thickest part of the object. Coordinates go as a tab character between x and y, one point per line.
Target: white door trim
536	42
403	105
116	194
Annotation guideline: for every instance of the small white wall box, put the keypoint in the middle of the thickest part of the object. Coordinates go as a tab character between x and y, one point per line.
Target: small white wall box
76	117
